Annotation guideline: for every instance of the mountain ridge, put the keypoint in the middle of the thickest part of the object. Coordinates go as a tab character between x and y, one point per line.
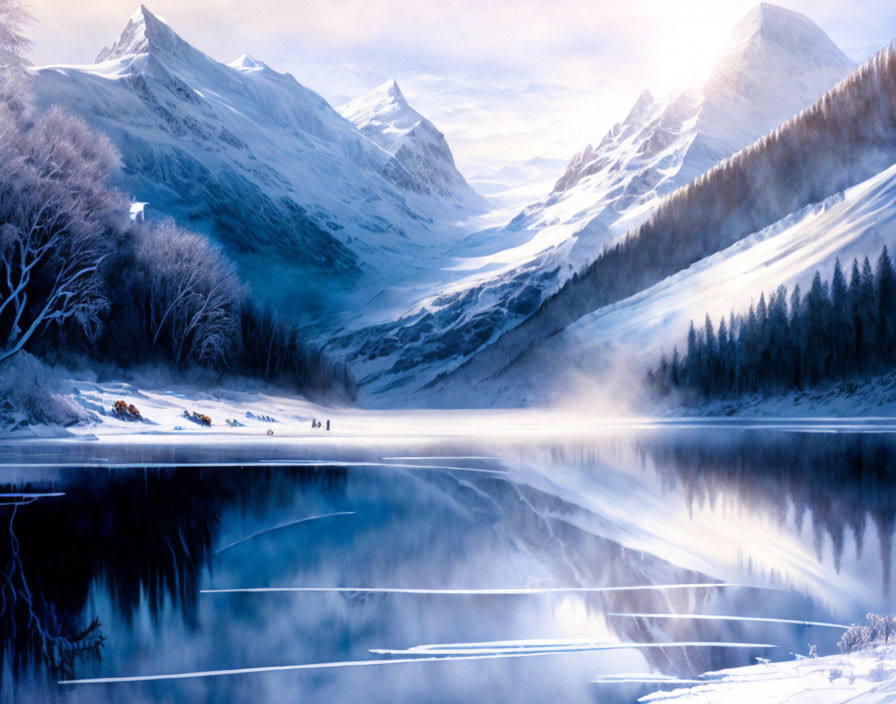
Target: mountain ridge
257	161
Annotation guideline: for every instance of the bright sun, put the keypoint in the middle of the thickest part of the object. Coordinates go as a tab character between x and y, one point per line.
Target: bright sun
689	48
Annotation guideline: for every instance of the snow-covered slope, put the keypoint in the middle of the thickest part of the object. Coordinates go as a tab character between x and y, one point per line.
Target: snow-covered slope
386	118
776	63
865	677
835	157
264	165
623	339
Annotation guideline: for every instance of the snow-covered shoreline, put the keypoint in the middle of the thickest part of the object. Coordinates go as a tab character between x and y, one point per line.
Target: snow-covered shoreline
867	676
265	414
871	398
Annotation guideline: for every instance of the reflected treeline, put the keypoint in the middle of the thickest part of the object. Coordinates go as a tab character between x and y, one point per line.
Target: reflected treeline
837	481
145	534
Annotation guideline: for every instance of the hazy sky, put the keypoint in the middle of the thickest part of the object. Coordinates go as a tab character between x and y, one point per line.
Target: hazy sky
505	80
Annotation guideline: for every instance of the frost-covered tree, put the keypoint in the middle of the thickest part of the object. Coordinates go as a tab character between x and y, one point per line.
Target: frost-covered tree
56	215
880	629
192	295
13	44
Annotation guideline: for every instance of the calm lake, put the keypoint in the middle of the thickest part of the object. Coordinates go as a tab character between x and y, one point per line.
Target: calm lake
505	570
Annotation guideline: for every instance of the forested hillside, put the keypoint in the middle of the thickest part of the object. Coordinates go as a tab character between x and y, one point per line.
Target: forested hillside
846	136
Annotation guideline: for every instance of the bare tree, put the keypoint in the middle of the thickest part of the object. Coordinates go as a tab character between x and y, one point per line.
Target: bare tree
56	217
193	295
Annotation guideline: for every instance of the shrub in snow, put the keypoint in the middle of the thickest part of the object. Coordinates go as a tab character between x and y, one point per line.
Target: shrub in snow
880	629
28	394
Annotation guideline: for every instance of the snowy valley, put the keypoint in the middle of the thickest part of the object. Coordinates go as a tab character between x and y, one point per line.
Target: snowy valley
776	63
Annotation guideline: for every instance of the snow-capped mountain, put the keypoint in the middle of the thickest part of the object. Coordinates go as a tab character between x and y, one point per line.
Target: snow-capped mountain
776	63
819	187
299	196
386	118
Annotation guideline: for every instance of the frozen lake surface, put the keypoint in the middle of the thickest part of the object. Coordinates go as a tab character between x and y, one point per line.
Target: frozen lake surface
578	569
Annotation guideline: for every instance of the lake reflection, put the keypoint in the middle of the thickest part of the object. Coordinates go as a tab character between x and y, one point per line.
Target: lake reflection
108	563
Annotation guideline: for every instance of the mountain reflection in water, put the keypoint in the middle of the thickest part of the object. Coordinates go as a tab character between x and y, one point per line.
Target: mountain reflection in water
106	577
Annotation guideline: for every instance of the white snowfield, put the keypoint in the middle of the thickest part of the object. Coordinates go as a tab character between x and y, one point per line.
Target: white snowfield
865	677
259	409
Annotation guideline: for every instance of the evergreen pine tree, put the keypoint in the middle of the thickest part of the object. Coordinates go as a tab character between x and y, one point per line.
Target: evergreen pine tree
843	335
885	281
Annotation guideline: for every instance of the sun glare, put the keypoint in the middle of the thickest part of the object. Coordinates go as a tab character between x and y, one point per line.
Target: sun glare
690	47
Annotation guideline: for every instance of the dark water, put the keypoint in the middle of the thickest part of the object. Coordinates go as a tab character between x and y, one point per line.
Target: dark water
105	554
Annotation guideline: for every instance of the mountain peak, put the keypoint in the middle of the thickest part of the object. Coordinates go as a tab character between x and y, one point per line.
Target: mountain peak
385	103
420	150
784	29
143	31
247	63
389	89
767	15
777	60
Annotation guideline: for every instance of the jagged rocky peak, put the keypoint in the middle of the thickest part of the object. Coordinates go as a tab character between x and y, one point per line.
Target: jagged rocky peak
143	31
390	89
644	101
384	115
422	158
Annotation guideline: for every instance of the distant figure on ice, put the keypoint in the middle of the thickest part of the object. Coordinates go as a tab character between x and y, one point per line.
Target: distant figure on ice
328	425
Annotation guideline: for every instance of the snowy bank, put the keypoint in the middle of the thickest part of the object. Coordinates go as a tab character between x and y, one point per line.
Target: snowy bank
253	411
865	677
247	411
871	398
